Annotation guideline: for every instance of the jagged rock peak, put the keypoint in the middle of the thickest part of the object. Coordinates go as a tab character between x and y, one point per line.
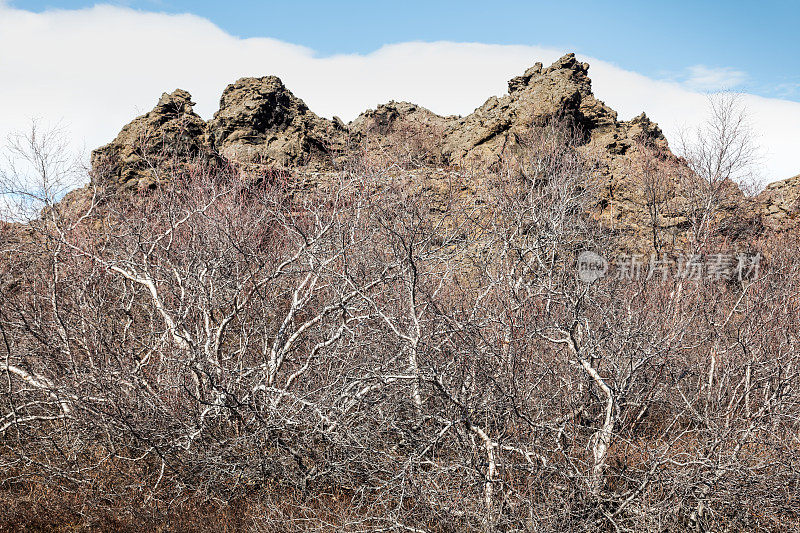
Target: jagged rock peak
259	119
267	88
561	90
568	64
253	107
176	102
642	125
171	132
519	82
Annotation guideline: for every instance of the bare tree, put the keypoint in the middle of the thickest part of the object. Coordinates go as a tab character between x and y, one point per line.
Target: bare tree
722	154
377	351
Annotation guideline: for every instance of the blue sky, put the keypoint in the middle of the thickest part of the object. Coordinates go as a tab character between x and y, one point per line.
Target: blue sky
751	45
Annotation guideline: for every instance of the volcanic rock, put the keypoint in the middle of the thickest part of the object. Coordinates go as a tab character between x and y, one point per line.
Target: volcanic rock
401	131
261	121
780	203
171	134
561	90
640	186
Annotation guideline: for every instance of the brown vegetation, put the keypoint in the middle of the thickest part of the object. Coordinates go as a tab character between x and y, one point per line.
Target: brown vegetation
392	347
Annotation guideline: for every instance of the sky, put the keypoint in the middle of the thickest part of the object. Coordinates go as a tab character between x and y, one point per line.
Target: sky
91	67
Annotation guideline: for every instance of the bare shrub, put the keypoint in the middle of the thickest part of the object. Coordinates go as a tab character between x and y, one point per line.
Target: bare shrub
361	355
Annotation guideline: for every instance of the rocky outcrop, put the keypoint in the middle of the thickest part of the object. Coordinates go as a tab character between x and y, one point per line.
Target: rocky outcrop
397	115
497	130
171	134
261	121
560	90
780	204
563	91
401	131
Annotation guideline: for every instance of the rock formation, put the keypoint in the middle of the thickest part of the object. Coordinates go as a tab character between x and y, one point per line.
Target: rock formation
260	120
172	133
498	128
780	204
402	131
563	89
395	115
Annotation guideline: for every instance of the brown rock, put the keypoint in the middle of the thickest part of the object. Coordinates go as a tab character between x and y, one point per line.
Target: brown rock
262	125
261	121
171	134
401	131
779	204
561	90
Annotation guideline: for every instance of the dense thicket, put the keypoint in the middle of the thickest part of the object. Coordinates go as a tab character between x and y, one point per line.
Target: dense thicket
387	350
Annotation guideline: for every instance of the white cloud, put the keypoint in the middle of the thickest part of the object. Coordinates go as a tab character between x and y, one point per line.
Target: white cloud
787	90
703	78
94	69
